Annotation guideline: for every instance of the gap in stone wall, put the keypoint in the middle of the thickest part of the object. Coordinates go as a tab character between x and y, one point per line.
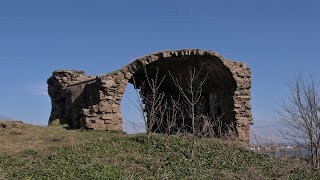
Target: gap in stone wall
132	121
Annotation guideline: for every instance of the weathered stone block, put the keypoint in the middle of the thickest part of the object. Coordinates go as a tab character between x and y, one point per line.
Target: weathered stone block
88	113
107	116
108	121
92	125
100	121
95	108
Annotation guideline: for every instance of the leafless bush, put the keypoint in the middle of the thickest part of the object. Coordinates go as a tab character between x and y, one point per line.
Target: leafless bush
153	105
208	127
172	114
300	116
212	127
191	96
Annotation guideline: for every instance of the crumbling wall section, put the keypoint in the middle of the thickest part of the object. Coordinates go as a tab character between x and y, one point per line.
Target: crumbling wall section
106	113
61	96
83	101
242	96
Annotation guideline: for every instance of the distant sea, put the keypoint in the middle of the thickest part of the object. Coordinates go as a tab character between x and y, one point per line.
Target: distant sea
288	152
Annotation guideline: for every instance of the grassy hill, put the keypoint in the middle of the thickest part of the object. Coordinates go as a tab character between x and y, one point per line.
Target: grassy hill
31	152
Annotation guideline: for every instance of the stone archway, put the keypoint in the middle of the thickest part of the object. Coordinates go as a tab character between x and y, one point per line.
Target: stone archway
96	101
216	93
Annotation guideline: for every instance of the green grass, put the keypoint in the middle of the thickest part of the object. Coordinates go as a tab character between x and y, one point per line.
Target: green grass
108	155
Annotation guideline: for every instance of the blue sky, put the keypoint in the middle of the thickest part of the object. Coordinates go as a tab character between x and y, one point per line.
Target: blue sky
275	38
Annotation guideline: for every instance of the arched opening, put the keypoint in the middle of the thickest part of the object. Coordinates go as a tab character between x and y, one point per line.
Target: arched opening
217	92
131	114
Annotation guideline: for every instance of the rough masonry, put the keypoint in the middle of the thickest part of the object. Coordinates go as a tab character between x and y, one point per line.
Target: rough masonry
93	102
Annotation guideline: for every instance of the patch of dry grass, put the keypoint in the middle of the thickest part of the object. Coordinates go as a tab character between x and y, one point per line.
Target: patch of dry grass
16	136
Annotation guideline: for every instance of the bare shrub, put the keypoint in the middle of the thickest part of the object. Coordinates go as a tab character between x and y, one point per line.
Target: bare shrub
300	116
152	105
172	114
191	96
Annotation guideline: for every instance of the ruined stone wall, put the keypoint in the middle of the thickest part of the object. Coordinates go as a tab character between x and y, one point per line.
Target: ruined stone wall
106	113
83	101
99	98
61	96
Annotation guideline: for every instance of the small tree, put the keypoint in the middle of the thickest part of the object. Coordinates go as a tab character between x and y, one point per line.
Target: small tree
191	96
300	116
152	105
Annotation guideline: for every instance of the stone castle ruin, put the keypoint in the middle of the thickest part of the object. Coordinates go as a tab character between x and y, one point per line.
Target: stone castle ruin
93	102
